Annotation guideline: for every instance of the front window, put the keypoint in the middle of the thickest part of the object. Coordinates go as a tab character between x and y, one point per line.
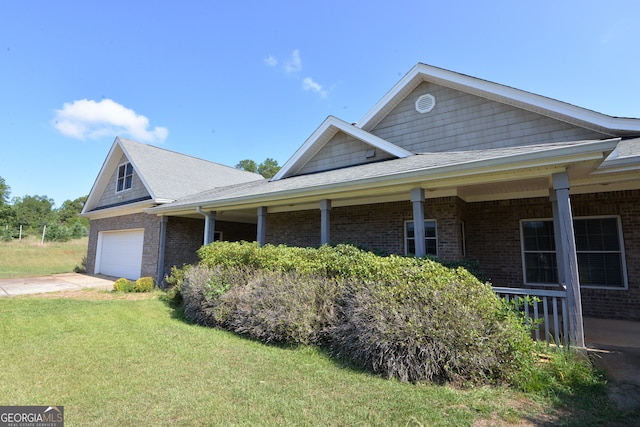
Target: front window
599	251
430	238
125	177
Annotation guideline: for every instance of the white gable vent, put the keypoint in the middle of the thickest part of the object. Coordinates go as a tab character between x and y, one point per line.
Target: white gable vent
425	103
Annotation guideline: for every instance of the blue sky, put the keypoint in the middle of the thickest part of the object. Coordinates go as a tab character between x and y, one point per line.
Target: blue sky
228	81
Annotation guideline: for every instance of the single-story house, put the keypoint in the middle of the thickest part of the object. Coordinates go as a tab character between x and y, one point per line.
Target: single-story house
541	193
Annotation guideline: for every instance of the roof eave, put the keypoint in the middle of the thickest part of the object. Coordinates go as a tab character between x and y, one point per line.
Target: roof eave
559	158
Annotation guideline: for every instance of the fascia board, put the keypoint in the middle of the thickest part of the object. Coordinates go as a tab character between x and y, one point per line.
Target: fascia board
119	210
556	158
423	72
101	181
325	131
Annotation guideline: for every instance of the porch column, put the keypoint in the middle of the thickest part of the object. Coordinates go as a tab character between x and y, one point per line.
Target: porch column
567	258
262	225
556	226
325	221
161	250
209	227
417	199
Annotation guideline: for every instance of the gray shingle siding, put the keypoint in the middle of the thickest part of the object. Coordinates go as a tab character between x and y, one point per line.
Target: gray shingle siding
462	121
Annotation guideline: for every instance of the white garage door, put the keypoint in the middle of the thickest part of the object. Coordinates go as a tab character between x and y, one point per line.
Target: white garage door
120	253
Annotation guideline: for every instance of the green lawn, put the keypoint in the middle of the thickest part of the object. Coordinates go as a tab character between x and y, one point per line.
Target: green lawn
112	361
27	257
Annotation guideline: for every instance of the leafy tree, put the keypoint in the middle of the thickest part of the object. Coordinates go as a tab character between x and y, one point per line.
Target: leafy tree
267	169
247	165
5	190
69	211
34	211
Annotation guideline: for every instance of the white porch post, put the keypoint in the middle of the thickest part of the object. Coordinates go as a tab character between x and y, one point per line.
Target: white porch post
417	199
556	235
161	249
209	227
567	257
262	225
325	221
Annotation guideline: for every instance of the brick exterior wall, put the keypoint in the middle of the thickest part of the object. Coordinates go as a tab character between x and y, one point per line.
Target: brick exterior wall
185	236
493	238
151	226
378	227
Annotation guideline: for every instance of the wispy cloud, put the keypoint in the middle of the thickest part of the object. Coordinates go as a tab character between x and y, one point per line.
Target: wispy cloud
86	118
309	84
292	66
271	61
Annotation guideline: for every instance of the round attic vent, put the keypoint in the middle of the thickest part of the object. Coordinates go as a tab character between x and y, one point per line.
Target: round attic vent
425	103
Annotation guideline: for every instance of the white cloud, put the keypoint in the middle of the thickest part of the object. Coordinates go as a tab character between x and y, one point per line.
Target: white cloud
86	118
294	63
309	84
271	61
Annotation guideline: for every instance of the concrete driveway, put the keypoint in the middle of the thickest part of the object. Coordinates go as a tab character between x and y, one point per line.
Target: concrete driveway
54	283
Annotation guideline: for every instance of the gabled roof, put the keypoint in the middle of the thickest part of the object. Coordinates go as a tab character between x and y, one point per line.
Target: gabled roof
323	134
614	126
166	175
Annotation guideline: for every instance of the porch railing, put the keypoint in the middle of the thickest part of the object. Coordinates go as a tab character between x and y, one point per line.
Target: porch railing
546	312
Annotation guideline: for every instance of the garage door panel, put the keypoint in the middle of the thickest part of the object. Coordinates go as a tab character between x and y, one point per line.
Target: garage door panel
121	253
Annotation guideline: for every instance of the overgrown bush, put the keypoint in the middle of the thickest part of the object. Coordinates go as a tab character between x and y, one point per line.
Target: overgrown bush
201	292
404	317
123	285
282	307
144	284
454	332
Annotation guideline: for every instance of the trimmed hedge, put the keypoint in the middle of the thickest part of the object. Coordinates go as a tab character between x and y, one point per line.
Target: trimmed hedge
409	318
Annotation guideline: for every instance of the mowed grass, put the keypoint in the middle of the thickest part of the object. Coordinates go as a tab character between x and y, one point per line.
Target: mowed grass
131	363
27	257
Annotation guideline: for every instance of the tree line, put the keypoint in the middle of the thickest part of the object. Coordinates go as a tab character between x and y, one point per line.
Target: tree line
28	215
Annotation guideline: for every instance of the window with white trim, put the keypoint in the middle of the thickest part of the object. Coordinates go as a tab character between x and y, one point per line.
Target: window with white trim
599	249
430	238
125	177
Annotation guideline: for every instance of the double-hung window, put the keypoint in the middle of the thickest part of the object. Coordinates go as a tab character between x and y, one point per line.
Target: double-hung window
125	177
599	249
430	238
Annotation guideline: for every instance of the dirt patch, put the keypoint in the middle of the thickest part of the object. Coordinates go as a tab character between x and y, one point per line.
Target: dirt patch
96	295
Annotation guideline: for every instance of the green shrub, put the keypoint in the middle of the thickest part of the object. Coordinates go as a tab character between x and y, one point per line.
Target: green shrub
82	268
144	284
404	317
173	282
58	233
123	285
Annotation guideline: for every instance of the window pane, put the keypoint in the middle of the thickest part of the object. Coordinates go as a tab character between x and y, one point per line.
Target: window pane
538	236
410	230
120	183
121	171
430	229
411	247
129	169
127	183
541	267
431	247
600	269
